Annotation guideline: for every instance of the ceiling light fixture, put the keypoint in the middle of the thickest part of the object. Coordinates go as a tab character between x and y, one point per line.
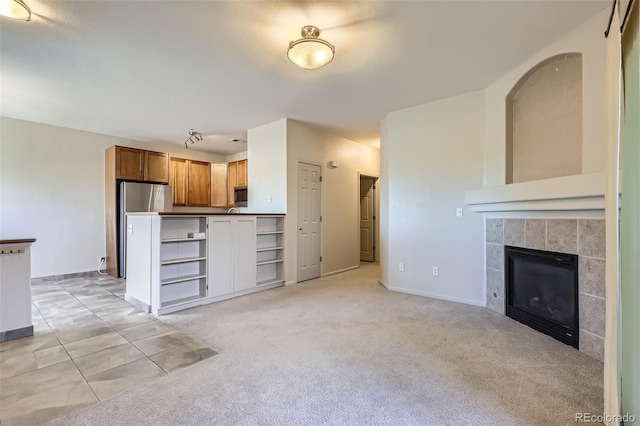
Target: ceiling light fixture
16	9
193	137
310	52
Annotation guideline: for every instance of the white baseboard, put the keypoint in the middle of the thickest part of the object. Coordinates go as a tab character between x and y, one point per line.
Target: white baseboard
383	284
288	283
435	296
328	274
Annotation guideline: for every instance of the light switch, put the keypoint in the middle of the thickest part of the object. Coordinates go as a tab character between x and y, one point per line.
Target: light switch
269	199
459	212
130	228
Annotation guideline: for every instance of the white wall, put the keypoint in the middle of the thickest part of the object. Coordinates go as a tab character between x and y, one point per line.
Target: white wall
340	194
236	157
267	168
386	154
587	39
431	154
52	189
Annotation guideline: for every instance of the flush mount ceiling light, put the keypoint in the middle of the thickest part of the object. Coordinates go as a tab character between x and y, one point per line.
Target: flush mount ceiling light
16	9
193	137
310	52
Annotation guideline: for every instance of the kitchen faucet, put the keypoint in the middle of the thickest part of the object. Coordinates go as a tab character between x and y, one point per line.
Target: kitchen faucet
233	208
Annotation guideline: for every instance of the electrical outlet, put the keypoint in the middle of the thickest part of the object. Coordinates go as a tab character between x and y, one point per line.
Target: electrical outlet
401	267
436	271
102	259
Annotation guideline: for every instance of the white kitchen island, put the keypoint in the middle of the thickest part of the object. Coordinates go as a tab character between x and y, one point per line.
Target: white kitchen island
15	289
177	261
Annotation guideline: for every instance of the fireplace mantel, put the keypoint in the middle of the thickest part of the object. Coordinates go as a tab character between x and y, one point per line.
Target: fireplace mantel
576	192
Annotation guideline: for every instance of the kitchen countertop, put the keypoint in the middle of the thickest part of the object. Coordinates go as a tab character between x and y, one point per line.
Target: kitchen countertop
204	214
19	241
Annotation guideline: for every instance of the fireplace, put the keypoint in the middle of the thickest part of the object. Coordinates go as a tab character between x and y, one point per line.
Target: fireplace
541	289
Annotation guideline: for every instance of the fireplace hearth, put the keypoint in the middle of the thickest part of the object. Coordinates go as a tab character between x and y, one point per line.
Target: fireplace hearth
541	291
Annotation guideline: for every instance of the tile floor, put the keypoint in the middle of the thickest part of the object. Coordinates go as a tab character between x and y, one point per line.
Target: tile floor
88	345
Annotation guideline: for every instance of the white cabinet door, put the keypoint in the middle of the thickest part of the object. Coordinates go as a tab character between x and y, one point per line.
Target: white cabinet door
245	253
220	255
232	254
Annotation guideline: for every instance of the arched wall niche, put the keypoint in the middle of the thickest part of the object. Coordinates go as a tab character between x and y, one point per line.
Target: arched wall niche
544	121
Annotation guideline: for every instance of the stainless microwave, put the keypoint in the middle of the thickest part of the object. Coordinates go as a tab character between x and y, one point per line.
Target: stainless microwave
240	196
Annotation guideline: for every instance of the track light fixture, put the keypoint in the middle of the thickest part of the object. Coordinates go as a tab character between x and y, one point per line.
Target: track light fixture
193	137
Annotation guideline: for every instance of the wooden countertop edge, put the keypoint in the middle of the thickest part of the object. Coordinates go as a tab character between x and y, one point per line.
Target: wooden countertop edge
19	241
217	214
202	214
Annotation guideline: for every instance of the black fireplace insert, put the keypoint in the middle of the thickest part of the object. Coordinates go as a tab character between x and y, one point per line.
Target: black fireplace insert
541	289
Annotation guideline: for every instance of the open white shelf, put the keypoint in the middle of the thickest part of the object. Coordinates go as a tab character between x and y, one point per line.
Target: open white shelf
269	250
178	240
182	279
182	260
266	262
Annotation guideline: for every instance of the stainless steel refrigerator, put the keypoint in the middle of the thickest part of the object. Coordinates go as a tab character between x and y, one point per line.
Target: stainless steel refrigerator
139	197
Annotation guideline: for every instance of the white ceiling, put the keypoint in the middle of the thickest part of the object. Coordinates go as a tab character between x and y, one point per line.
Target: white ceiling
152	70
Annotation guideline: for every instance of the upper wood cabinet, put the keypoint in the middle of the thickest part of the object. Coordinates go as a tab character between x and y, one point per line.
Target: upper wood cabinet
219	185
232	181
156	167
129	163
141	165
236	176
178	180
198	183
242	173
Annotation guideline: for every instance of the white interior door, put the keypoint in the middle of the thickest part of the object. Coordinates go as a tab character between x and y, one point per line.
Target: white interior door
308	221
367	230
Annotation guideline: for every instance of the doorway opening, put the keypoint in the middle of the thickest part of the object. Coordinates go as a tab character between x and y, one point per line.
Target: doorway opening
368	207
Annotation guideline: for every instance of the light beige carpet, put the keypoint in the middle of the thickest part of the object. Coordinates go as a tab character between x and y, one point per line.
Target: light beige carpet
343	350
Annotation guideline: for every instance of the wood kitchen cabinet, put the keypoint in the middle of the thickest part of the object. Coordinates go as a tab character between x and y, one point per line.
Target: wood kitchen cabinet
129	163
198	183
191	182
219	185
178	180
140	165
241	173
237	176
232	181
156	167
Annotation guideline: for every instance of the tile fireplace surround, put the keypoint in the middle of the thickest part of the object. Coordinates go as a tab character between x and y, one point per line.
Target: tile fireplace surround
584	237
